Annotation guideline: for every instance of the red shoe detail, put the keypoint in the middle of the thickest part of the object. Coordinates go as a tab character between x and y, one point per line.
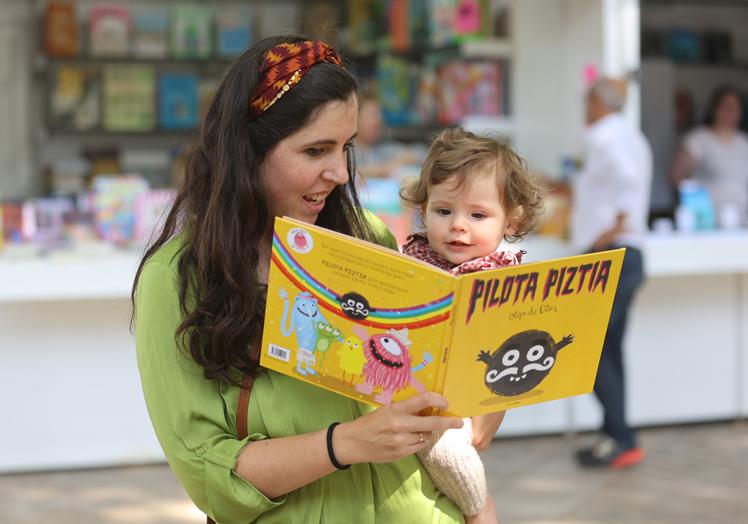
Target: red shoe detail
628	458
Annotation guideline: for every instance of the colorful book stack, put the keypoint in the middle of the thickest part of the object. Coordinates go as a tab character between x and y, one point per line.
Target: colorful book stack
468	89
114	206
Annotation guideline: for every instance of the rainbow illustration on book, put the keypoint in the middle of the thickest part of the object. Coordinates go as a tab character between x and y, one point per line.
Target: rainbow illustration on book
348	304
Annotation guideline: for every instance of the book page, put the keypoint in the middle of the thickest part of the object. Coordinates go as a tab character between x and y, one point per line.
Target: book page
351	317
529	333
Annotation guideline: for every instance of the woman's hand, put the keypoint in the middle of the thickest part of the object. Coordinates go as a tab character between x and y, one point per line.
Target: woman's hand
391	432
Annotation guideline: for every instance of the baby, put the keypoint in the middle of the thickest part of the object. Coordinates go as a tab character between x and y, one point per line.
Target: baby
472	193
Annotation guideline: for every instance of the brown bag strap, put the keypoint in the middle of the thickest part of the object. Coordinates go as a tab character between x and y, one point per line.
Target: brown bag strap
242	411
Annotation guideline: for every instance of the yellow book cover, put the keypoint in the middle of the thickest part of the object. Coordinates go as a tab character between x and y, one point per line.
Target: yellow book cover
378	326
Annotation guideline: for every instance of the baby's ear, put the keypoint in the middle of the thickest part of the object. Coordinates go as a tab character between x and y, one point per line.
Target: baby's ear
422	213
513	221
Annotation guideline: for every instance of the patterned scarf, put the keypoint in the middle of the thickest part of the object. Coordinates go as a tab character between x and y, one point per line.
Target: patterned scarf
283	67
417	246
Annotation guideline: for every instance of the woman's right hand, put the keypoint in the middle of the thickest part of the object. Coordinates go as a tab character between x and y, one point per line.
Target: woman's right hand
391	432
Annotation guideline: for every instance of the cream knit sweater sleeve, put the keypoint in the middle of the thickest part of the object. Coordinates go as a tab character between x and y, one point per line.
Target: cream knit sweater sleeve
455	467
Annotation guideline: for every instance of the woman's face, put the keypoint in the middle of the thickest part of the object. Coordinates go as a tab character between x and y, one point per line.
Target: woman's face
728	112
302	169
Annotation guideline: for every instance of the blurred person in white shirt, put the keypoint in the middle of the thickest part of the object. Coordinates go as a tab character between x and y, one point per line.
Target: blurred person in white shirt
611	204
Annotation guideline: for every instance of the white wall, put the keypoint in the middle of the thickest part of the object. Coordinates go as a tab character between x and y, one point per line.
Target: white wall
554	41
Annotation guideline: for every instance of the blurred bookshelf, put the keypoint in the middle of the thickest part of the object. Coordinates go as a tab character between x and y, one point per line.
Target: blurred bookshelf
432	62
119	88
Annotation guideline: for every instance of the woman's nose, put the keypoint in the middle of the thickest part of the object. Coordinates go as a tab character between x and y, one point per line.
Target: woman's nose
337	171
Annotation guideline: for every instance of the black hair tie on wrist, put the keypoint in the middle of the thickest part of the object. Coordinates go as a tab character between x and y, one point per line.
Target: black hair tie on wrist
330	452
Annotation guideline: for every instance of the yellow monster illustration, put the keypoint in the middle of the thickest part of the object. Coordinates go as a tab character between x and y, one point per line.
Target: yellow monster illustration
352	359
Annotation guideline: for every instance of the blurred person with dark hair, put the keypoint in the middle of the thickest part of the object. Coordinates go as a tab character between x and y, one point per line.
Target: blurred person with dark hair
611	204
716	154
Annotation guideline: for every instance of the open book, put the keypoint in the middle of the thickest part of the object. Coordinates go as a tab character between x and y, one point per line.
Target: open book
378	326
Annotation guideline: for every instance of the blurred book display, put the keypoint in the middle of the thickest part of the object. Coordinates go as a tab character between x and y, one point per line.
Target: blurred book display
151	208
149	70
150	34
109	31
75	99
178	100
114	206
61	29
411	47
11	216
467	89
191	26
233	30
47	226
129	98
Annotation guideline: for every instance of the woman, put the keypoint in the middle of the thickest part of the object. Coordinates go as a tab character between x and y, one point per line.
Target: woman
717	154
276	141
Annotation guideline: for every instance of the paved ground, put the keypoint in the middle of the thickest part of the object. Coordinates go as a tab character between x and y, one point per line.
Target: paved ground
693	474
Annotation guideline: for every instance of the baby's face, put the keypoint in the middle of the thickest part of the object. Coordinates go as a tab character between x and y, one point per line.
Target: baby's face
467	222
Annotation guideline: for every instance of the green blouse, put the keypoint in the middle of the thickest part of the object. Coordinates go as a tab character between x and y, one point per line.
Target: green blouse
195	422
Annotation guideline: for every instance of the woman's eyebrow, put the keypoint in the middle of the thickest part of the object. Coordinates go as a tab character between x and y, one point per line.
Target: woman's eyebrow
327	141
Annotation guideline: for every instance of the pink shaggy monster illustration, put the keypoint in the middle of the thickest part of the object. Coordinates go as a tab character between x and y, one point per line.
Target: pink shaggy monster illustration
388	364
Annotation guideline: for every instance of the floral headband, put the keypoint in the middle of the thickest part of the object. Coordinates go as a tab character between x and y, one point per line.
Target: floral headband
283	67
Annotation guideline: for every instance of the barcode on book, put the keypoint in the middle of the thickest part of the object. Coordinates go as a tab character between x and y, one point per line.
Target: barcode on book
279	352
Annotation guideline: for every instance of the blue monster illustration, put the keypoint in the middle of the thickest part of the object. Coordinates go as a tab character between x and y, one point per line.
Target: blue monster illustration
303	320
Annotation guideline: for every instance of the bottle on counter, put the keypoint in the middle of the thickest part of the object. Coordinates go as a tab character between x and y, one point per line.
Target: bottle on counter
695	201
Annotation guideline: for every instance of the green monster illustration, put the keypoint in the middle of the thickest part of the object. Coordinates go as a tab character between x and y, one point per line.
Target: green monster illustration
326	335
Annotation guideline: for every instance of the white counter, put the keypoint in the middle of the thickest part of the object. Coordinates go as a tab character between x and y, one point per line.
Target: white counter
72	398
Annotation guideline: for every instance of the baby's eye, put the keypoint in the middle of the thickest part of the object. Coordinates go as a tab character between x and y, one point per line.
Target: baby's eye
478	215
443	212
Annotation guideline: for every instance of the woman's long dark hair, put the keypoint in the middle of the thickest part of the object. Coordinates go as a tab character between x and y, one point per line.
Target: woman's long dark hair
223	213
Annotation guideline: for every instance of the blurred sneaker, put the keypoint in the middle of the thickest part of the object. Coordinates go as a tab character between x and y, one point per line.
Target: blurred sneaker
609	454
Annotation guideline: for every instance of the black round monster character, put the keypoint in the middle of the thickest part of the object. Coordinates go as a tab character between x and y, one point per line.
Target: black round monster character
355	306
522	362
